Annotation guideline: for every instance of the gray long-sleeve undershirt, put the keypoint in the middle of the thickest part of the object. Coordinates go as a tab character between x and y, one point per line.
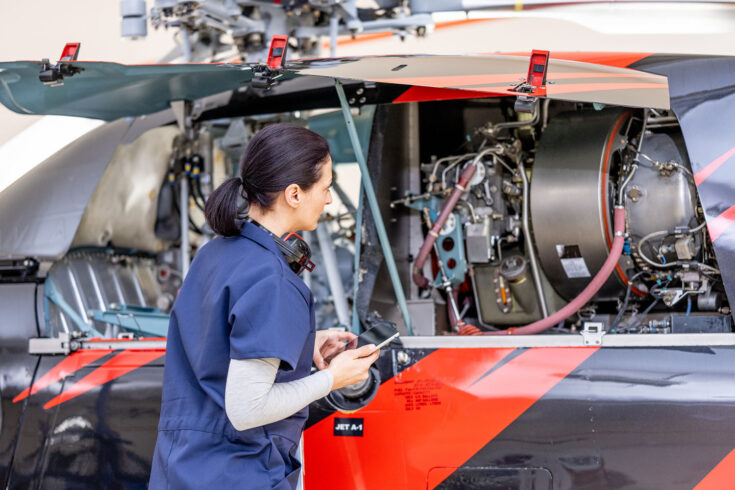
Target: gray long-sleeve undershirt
252	398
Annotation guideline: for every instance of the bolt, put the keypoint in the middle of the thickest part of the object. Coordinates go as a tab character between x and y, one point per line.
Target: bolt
402	357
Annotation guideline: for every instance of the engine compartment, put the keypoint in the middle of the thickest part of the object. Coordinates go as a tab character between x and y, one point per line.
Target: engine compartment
535	222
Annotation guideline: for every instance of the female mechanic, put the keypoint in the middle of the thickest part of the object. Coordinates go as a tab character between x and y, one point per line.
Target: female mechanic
237	382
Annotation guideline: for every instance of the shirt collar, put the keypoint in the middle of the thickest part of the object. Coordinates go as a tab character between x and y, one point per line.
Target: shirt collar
261	237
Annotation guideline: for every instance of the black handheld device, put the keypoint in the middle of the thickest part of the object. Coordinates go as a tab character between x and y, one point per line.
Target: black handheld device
380	335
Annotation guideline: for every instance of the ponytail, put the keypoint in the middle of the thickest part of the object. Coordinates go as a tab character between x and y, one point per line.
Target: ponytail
221	208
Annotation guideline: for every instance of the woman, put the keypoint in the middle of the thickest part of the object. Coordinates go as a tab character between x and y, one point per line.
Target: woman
242	338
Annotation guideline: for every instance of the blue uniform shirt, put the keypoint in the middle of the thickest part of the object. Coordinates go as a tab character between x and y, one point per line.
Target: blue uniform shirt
240	300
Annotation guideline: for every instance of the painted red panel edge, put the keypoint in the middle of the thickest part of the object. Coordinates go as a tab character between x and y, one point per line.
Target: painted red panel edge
122	363
722	476
69	365
417	93
709	169
720	224
474	407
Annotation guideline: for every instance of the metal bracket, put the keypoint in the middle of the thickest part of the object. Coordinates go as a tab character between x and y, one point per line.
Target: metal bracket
184	111
67	343
63	344
592	333
359	95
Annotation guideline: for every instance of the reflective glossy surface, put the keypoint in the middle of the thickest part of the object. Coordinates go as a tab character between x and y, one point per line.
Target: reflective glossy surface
591	417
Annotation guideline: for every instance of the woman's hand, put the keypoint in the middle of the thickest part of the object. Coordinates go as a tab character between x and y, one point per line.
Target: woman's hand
351	366
328	344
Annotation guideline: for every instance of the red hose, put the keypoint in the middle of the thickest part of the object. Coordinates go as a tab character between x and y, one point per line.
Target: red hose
468	329
607	268
425	250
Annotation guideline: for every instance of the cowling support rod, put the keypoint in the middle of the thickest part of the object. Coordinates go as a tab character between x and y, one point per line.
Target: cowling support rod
356	278
367	185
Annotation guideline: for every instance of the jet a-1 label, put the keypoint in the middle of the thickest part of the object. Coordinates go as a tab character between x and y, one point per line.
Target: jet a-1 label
348	427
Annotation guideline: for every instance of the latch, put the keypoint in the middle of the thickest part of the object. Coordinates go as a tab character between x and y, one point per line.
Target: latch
266	75
534	84
53	75
592	333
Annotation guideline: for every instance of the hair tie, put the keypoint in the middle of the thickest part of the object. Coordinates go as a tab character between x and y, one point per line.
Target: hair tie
240	179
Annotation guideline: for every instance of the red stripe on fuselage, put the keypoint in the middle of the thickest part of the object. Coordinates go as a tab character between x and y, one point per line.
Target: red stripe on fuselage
123	363
434	416
721	223
71	364
722	476
709	169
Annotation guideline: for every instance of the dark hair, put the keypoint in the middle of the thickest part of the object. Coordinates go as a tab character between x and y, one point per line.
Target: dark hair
276	156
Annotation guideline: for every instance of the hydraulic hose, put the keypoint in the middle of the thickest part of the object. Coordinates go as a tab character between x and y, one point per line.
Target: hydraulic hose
425	250
600	278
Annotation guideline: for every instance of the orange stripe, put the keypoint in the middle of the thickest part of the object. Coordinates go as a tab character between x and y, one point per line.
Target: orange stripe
69	365
722	476
437	413
469	81
702	175
721	223
595	87
123	363
372	36
621	60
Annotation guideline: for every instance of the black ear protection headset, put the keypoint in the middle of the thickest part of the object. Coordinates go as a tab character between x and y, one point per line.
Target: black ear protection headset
293	247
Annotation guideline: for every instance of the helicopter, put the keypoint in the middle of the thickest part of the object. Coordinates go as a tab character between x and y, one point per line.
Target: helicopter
550	233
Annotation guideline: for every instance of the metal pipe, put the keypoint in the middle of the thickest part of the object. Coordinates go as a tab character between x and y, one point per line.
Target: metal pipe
184	215
621	193
118	287
529	244
333	278
75	288
455	319
333	31
96	286
186	45
447	208
494	129
356	278
136	284
374	208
